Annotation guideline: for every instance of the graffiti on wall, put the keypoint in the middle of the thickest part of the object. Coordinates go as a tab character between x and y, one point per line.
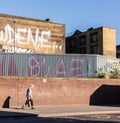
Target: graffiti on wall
44	66
110	66
11	37
59	69
9	49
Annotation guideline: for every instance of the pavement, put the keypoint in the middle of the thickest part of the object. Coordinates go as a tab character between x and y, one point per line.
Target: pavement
57	111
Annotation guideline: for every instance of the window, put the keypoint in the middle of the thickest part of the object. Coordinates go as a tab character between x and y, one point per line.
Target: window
94	38
94	49
83	50
71	46
82	40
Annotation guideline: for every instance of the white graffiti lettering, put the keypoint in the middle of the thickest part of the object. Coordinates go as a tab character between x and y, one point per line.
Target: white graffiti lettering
34	66
59	68
8	49
20	38
41	68
76	68
25	36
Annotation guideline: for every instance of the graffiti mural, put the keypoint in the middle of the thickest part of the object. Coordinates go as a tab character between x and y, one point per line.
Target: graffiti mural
41	65
28	35
48	65
110	67
58	69
24	36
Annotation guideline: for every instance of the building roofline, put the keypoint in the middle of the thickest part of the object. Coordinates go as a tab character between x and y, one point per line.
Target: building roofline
26	18
92	28
107	27
118	45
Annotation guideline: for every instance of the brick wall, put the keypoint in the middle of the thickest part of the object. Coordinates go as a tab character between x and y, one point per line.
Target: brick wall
31	34
58	91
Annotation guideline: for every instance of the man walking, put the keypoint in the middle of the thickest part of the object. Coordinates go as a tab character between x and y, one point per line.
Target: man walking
29	101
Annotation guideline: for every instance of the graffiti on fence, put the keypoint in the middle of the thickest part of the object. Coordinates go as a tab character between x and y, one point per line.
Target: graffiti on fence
110	67
57	69
41	65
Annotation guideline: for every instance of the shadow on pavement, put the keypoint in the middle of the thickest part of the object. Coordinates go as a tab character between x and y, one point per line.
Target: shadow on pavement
9	114
71	120
15	117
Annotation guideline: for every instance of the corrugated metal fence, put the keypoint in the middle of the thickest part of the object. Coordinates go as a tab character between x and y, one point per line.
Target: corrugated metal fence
53	65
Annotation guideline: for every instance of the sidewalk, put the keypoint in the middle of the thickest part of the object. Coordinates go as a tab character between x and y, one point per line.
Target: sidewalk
56	111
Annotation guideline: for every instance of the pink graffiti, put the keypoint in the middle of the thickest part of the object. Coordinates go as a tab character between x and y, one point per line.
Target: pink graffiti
41	65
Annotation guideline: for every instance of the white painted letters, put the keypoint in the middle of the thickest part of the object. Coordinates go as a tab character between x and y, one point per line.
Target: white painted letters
25	36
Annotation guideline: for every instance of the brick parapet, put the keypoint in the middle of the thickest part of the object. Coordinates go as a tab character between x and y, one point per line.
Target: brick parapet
54	91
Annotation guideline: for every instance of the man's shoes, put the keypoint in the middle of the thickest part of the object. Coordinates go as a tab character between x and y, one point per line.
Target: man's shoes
32	108
23	107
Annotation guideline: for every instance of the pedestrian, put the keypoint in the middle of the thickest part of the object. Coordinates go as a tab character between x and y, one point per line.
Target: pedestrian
29	98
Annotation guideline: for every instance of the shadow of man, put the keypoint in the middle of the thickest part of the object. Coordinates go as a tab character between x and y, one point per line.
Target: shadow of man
6	103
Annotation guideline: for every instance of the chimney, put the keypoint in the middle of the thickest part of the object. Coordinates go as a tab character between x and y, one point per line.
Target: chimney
48	19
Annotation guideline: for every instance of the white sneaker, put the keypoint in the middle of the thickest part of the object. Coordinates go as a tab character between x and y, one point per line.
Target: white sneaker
23	107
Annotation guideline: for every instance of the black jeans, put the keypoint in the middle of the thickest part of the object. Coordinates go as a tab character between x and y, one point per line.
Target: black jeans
29	102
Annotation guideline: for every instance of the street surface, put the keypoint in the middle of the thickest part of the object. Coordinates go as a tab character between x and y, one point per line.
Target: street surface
100	118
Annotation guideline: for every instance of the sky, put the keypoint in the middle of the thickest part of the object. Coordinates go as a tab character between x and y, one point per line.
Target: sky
75	14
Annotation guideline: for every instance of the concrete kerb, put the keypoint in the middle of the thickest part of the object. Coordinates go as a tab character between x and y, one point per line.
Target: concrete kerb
78	114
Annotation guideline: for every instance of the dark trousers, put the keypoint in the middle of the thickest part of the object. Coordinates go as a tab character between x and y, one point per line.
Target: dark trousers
29	102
